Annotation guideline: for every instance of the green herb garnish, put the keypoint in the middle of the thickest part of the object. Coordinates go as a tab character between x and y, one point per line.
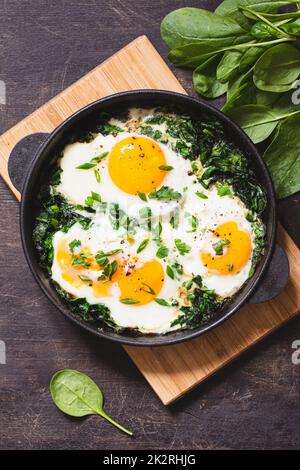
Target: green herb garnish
85	278
182	247
218	246
162	252
162	302
165	194
166	167
129	301
142	245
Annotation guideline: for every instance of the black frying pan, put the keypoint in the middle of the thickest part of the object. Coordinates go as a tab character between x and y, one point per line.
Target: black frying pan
54	143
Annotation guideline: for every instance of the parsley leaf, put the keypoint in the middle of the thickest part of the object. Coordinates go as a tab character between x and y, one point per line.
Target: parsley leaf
182	247
218	246
165	193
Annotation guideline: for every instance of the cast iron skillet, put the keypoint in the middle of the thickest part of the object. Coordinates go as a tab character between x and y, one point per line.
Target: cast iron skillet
39	170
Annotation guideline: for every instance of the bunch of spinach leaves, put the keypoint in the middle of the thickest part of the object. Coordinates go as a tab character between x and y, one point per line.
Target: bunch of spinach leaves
250	51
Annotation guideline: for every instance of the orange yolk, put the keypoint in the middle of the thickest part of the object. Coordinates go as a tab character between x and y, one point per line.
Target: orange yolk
235	255
143	284
71	273
134	165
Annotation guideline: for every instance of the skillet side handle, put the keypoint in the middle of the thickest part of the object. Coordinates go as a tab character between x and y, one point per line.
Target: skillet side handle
21	157
275	278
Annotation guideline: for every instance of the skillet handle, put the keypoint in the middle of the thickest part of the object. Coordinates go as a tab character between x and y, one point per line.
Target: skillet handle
21	157
275	278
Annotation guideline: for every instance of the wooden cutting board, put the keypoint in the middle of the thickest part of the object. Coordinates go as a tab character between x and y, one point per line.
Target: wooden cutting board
173	370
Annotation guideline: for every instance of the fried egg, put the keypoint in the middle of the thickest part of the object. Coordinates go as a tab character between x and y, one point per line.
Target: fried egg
133	166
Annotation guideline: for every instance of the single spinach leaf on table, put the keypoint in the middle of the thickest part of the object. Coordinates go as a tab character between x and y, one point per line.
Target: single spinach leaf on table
205	80
283	157
277	69
189	25
76	394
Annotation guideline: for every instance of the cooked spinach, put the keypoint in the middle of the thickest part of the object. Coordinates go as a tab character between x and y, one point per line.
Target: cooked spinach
55	214
204	304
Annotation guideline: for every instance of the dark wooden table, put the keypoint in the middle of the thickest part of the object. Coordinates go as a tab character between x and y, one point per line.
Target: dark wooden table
253	403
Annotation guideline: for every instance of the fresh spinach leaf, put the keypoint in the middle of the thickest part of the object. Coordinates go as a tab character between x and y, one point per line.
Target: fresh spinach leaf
277	69
76	394
229	66
205	80
258	121
283	157
188	25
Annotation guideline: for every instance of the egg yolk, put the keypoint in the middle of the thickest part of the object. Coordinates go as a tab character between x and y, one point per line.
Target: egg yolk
71	273
235	254
143	284
134	165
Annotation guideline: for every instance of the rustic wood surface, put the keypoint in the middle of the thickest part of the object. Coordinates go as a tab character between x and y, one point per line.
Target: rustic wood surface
253	403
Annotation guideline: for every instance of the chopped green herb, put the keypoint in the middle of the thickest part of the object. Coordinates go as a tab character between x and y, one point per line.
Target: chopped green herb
162	252
174	220
202	195
218	246
165	194
156	233
170	272
81	260
85	278
182	247
143	245
110	269
86	166
162	302
178	267
230	267
223	189
74	244
129	301
97	175
96	196
100	157
89	201
193	221
142	196
148	289
166	167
